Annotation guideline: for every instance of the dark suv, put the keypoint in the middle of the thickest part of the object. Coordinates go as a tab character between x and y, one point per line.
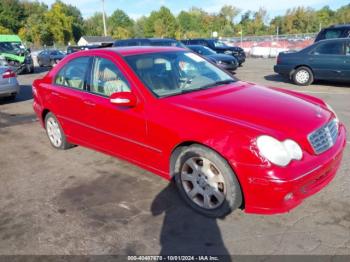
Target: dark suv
218	47
334	31
149	42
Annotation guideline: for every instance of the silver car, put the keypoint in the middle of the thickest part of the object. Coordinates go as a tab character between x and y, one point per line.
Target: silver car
9	86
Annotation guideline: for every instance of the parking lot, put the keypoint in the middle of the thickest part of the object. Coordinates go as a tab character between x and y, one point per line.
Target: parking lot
83	202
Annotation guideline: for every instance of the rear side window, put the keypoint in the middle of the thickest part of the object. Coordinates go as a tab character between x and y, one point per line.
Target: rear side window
107	78
74	73
331	48
333	33
347	48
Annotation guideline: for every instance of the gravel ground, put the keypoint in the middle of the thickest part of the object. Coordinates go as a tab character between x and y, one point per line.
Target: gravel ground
84	202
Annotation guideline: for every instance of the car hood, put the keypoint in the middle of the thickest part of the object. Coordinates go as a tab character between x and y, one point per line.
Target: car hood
265	109
232	48
221	57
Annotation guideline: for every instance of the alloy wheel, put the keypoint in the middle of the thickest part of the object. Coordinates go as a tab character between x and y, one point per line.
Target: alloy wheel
203	182
54	132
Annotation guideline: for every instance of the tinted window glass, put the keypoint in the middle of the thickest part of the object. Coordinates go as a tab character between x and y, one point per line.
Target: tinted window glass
347	33
333	33
347	49
56	52
107	78
193	42
331	48
203	50
74	73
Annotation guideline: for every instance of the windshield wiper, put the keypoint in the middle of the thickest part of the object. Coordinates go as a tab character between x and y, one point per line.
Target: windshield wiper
217	83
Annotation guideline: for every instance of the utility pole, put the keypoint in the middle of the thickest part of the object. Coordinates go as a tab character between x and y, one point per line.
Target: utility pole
104	18
241	33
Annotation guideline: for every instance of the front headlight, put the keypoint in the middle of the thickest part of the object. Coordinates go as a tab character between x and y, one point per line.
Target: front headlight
228	52
277	152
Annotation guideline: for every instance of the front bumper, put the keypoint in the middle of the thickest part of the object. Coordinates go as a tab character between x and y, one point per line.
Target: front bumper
240	58
266	193
228	66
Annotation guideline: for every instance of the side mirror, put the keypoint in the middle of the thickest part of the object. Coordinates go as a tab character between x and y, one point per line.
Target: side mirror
127	99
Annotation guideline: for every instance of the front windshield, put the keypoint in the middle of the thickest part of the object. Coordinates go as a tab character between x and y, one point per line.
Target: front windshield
219	44
203	50
177	72
11	47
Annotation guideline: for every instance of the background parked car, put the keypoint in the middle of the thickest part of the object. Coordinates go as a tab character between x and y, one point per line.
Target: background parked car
219	47
324	60
334	31
226	62
9	86
50	57
73	49
16	54
149	42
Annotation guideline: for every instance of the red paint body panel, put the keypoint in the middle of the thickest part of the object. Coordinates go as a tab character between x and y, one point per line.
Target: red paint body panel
226	118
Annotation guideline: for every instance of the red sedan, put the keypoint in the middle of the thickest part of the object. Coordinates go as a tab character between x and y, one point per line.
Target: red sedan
226	143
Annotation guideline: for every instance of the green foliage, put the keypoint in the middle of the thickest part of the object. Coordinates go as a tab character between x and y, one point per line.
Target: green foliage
61	23
120	25
94	25
11	14
160	23
5	31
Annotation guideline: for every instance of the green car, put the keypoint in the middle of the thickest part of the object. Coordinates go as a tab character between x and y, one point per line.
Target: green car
17	56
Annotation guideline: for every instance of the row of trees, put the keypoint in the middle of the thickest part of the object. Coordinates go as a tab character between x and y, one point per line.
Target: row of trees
36	23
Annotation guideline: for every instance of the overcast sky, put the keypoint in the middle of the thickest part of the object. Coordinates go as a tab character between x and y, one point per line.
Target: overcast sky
137	8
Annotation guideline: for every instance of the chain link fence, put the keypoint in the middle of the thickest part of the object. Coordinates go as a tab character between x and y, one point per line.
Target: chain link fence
270	45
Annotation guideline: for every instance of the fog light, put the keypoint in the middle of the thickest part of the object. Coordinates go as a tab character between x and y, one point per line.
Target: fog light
288	197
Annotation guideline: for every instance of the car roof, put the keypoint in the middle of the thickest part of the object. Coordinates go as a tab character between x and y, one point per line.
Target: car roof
333	39
205	39
338	26
134	50
147	39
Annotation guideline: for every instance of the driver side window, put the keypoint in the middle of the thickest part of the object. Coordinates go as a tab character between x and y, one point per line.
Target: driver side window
107	78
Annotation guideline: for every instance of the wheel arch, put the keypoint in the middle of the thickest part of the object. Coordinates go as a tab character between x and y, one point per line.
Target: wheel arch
43	115
177	151
302	65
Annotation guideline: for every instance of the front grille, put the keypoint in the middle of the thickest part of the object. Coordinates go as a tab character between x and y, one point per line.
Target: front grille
325	137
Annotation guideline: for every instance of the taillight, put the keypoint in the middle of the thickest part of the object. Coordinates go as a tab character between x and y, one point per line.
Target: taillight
278	59
8	74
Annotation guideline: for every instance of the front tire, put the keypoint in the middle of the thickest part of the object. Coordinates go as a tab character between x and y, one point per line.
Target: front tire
206	181
55	133
12	97
303	76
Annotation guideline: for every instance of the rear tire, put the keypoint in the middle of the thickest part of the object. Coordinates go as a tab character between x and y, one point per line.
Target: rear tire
206	181
55	133
303	76
12	97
